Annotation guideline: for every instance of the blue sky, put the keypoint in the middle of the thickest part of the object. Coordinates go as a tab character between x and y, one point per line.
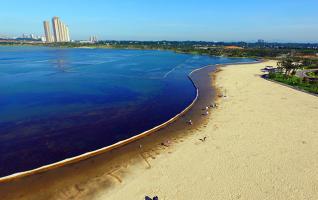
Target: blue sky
222	20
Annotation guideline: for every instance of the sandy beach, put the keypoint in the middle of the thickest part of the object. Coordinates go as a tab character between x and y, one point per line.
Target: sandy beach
260	143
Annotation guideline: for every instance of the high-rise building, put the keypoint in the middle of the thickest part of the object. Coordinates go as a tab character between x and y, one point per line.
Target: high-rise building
93	39
65	33
56	29
47	31
60	31
61	27
68	38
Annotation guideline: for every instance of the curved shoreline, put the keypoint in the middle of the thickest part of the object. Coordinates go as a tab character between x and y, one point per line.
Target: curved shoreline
119	144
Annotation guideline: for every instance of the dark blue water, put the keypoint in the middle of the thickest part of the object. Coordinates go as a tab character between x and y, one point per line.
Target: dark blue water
59	103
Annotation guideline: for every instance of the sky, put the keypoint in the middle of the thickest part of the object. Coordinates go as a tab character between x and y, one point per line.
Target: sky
200	20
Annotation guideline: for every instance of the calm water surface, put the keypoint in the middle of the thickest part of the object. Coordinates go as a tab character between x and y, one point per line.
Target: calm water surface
60	103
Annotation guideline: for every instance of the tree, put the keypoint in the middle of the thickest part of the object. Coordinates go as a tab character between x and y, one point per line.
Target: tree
290	66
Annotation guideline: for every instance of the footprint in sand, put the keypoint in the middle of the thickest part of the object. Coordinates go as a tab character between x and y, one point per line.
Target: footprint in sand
116	177
117	166
68	193
151	156
155	151
175	140
78	188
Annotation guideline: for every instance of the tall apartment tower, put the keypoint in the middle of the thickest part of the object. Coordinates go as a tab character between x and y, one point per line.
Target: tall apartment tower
47	31
68	38
60	31
56	29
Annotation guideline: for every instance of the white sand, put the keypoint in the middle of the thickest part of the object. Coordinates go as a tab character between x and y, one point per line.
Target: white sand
262	143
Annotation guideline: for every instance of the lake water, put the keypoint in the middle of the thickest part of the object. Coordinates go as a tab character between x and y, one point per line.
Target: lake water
60	103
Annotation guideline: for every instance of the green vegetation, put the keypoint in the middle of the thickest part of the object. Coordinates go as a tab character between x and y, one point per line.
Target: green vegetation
313	74
290	66
250	52
286	71
295	82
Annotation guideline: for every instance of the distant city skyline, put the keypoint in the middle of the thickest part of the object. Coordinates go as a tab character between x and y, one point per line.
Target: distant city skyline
229	20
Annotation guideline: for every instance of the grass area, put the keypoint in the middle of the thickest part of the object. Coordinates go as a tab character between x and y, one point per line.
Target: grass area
312	75
295	82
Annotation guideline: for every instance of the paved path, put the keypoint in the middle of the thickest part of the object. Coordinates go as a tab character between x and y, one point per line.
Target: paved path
303	73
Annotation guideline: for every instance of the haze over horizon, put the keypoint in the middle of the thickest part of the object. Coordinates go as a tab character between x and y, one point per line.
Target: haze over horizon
229	20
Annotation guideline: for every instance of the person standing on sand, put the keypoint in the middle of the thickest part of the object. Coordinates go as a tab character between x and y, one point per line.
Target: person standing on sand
148	198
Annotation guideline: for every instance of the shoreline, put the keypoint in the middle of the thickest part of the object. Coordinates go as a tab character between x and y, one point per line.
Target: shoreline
106	149
95	166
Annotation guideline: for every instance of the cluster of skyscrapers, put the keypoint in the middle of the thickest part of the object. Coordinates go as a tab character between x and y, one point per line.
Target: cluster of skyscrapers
93	39
60	31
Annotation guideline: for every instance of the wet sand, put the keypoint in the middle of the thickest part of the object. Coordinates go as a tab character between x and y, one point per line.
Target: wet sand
98	175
